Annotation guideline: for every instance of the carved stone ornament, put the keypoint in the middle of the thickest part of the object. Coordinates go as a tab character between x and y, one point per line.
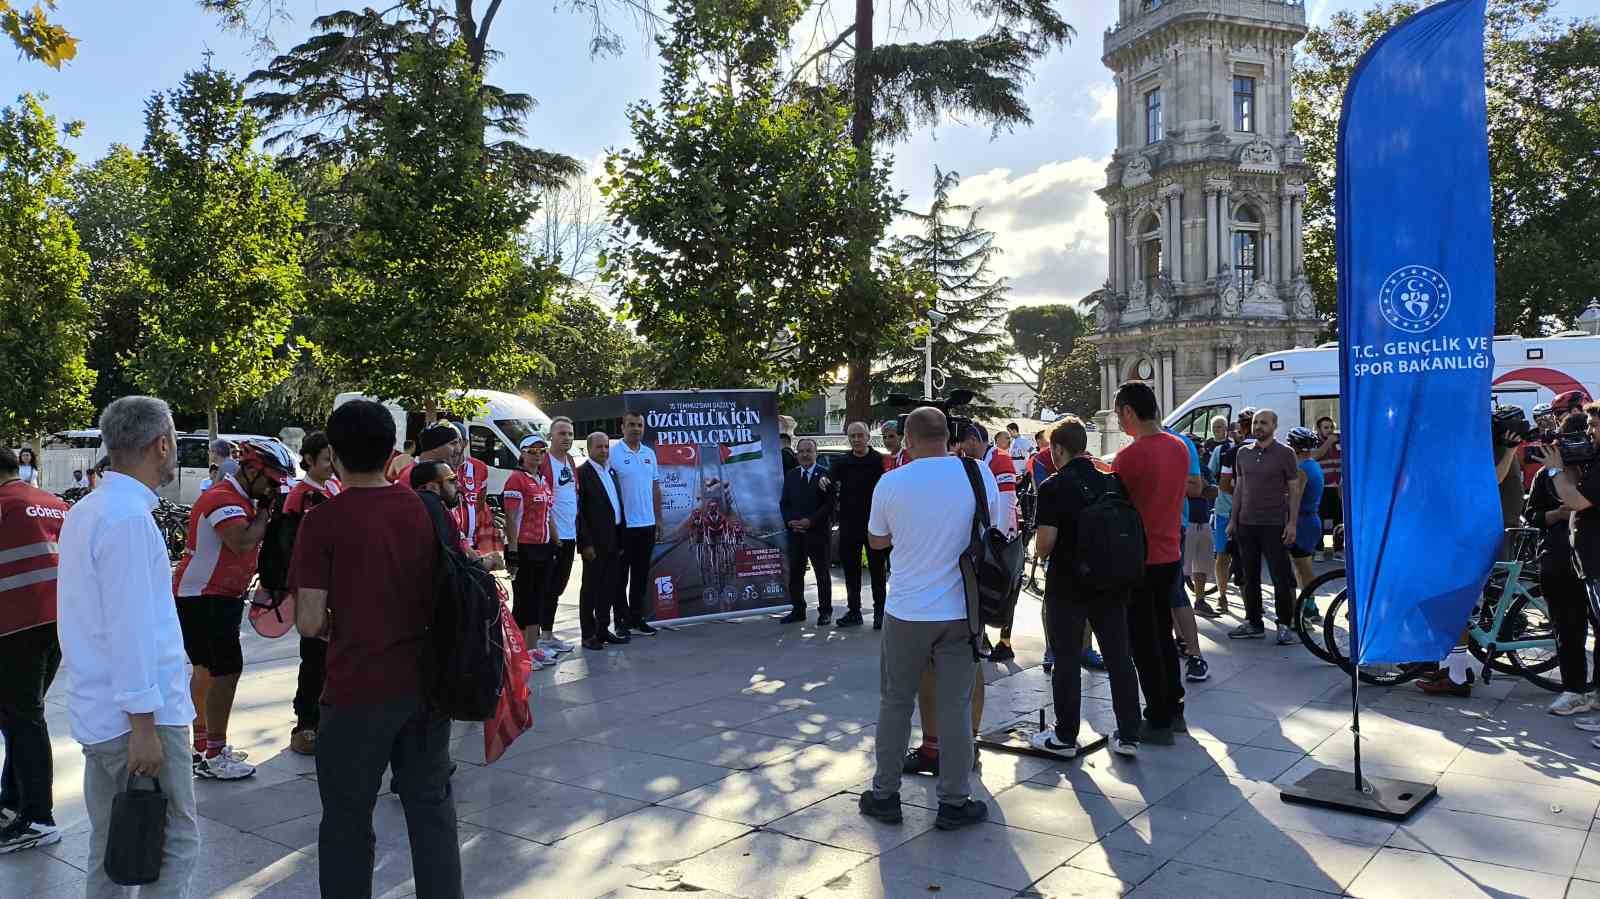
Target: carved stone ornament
1230	300
1258	156
1305	304
1136	172
1138	295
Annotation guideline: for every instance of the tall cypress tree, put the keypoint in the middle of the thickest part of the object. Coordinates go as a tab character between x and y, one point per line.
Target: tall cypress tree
971	347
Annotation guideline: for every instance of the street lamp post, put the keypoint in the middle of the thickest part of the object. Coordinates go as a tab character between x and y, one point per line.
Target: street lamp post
935	318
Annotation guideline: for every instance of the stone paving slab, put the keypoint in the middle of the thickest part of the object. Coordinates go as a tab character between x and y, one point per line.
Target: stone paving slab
726	759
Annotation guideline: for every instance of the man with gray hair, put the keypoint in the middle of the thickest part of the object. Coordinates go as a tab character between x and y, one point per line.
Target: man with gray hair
127	675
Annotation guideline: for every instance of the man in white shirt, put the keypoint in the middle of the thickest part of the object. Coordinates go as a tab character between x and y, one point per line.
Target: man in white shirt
640	477
923	511
127	674
1021	444
564	514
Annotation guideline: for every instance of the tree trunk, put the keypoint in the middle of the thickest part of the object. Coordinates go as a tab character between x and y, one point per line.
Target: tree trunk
212	425
858	386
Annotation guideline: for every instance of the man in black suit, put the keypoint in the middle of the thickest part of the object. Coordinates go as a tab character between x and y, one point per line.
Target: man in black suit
856	474
600	543
807	506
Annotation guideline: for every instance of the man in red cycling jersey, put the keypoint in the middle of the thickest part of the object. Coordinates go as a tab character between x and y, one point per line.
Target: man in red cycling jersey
894	453
226	527
445	441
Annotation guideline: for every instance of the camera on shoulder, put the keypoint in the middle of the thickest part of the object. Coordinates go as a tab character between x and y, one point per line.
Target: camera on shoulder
1509	426
1576	449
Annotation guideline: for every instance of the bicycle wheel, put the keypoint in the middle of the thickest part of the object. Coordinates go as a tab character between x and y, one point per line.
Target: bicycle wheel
1483	621
1531	621
1309	606
1336	640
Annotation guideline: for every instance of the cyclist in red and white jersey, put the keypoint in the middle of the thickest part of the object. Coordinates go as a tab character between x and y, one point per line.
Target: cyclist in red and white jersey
529	502
226	527
473	515
894	454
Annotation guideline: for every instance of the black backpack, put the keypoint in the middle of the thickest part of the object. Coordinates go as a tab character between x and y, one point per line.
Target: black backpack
277	548
1110	550
988	566
464	663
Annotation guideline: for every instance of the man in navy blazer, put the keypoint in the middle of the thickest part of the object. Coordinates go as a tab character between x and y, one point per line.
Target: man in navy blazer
807	505
600	524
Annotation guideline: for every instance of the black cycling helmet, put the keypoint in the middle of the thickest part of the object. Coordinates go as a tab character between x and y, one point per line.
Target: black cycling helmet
1302	440
1246	412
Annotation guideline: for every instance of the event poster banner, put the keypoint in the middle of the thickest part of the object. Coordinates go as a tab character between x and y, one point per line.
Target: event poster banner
721	550
1416	326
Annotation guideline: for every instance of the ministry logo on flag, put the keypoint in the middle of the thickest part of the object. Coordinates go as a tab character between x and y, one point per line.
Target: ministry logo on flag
741	452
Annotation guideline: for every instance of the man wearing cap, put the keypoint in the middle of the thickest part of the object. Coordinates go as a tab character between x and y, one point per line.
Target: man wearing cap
443	442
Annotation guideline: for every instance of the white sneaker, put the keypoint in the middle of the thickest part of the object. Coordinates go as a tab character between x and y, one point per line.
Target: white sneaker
1592	725
541	659
20	835
551	644
1045	741
1571	704
234	755
220	767
1286	636
1125	748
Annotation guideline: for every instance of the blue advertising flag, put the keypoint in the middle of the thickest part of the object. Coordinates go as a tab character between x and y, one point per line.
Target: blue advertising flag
1416	331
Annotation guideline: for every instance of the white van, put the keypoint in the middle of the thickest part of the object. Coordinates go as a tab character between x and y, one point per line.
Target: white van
1303	385
69	451
502	422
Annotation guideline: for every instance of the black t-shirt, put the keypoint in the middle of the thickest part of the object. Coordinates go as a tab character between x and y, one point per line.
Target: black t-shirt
1555	547
856	477
1586	542
1061	498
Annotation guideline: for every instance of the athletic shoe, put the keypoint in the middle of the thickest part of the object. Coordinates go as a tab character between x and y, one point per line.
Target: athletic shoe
919	762
220	767
1247	631
1126	748
7	815
1204	610
953	817
21	834
793	618
1286	636
1198	670
540	660
1093	659
1571	704
197	762
620	638
1045	741
1310	613
824	619
1002	652
594	644
643	628
553	645
1591	725
850	619
234	755
303	742
880	808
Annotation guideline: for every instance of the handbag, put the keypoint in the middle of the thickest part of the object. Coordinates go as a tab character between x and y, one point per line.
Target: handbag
138	833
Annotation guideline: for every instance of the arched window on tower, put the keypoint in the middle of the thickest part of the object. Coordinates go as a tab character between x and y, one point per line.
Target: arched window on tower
1150	248
1246	246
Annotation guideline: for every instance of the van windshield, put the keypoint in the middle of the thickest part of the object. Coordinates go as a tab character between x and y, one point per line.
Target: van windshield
516	429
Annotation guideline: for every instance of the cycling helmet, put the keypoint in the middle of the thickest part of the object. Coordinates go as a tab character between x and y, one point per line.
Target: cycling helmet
271	459
1302	440
1246	412
1542	410
1571	401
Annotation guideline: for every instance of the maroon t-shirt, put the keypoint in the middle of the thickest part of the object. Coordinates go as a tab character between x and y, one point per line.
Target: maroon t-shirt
1155	470
373	550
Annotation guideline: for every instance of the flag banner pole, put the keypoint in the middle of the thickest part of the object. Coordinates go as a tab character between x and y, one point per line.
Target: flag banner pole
1415	257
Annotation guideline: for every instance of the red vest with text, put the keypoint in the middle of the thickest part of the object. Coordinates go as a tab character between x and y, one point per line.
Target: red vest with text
30	525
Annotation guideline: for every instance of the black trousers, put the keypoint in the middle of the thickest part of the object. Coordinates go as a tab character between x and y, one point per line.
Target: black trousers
599	591
1266	541
1109	618
28	663
637	546
850	549
561	571
354	746
1568	600
308	692
532	602
805	548
1155	653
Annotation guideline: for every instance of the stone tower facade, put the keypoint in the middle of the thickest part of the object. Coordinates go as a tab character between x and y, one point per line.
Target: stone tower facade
1203	194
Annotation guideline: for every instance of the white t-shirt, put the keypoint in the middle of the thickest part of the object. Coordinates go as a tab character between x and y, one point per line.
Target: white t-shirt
926	507
1021	446
564	507
637	472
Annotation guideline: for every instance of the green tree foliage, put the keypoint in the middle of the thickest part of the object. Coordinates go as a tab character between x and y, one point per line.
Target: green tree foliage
896	86
1543	79
35	36
736	207
108	207
1042	335
44	326
970	348
221	254
1071	384
590	354
430	292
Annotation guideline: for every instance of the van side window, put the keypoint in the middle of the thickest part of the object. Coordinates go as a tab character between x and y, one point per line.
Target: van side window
1197	422
488	448
1315	407
193	453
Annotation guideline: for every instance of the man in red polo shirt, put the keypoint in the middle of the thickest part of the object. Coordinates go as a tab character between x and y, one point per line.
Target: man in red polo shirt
30	526
1155	470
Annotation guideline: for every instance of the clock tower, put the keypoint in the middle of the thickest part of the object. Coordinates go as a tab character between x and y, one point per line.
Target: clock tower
1203	194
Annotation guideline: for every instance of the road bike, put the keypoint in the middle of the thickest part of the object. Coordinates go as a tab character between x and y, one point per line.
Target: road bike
1511	631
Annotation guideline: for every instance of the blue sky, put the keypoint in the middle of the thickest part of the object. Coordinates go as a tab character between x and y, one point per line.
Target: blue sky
1036	184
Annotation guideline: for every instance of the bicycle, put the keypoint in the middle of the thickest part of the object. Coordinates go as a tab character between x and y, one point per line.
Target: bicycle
1511	631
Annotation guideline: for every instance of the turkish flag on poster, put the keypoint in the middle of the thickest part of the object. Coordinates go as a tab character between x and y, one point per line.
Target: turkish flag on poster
513	717
677	454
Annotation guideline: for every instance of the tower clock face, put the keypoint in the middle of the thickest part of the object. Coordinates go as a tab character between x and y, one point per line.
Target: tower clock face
1145	371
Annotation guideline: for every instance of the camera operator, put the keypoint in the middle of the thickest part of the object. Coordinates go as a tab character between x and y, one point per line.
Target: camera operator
1558	579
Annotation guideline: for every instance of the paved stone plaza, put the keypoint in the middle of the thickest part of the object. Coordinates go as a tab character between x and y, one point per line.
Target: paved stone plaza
724	759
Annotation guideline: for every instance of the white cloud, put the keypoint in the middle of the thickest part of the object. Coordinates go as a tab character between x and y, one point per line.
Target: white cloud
1050	225
1104	98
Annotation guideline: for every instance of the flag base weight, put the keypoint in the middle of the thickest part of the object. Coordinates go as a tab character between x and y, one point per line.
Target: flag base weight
1014	737
1382	797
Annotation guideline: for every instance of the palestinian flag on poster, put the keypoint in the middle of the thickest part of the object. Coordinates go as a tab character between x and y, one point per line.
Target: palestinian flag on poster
741	452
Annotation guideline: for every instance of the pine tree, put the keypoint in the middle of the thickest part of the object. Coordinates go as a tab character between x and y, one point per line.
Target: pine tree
970	348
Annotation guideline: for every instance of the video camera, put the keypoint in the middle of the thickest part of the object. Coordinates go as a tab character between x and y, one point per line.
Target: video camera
1509	427
1576	448
954	423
